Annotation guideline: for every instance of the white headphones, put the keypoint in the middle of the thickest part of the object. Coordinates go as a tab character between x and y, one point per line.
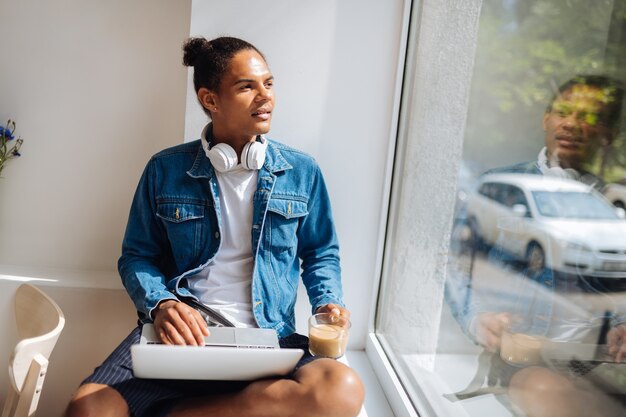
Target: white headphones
555	171
224	158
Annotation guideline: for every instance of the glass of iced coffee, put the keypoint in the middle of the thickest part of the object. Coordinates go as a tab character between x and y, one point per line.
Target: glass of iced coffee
520	349
328	335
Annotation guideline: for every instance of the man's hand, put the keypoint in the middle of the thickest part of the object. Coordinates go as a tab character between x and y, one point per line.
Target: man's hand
334	310
489	328
617	342
178	324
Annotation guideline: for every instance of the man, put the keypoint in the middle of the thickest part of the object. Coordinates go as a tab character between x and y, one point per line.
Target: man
582	118
225	221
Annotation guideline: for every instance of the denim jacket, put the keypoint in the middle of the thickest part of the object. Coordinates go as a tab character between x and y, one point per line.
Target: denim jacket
174	231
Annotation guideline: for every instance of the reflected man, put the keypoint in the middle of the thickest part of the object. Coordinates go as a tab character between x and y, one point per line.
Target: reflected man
582	118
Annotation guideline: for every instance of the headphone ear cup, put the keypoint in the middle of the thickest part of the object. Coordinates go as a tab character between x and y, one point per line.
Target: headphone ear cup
222	157
253	155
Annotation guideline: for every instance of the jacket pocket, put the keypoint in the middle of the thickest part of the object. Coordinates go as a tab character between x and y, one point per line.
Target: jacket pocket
281	232
287	208
183	222
283	219
178	212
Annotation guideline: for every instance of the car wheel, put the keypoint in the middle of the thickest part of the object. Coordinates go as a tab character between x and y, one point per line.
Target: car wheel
535	259
619	204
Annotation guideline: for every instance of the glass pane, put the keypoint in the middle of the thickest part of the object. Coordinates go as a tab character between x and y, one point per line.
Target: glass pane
535	292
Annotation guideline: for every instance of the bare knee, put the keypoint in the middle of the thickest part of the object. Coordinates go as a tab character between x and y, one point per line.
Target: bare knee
332	389
539	380
541	392
95	400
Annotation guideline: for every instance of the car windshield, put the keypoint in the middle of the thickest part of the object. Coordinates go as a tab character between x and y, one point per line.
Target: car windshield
573	205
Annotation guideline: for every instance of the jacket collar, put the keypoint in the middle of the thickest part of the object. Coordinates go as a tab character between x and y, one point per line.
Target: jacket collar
202	168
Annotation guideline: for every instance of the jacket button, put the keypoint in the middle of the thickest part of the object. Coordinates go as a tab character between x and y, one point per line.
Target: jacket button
217	235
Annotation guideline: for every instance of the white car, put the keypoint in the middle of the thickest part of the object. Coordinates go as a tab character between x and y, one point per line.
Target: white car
550	222
616	194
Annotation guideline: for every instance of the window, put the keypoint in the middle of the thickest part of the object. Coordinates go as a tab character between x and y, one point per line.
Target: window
505	309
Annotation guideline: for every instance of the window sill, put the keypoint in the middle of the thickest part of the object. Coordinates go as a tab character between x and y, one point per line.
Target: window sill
452	373
376	404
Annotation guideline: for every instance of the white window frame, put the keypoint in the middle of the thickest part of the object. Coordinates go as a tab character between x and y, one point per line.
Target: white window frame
428	151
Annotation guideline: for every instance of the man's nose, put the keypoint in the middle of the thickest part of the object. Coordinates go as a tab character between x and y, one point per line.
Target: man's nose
264	94
572	121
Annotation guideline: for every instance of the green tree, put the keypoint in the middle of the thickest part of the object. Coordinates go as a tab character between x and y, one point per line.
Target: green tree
525	50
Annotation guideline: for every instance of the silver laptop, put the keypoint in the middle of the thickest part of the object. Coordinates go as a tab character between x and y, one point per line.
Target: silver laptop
229	354
587	360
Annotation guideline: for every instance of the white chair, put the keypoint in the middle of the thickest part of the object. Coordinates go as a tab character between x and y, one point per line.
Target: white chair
39	323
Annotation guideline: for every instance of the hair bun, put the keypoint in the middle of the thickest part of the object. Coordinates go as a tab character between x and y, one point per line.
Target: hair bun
192	49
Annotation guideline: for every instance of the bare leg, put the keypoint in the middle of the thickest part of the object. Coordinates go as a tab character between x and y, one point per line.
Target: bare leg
93	400
322	388
540	392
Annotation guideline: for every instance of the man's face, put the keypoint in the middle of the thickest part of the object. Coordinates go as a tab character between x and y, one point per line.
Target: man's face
575	126
245	99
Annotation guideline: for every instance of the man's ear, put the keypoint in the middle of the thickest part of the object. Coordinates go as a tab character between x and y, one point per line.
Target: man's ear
207	99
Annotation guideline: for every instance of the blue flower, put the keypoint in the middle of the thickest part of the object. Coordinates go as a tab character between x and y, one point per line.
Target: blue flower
6	132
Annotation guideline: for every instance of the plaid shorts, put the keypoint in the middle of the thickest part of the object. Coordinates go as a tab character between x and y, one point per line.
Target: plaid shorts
156	397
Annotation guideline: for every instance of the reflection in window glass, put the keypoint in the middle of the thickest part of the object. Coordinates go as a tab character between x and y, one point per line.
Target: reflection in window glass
534	316
573	205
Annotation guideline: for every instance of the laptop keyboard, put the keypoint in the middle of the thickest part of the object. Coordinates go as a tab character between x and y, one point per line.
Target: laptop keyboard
572	367
608	376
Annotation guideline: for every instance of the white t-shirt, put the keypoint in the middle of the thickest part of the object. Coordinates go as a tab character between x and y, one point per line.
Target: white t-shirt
225	284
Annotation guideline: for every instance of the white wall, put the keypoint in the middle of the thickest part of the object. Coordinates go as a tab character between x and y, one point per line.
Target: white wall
336	65
96	87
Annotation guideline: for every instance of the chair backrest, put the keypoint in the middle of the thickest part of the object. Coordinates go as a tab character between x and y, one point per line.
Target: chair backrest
39	324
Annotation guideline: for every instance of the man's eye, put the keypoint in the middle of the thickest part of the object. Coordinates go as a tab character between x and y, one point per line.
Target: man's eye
269	85
591	119
562	110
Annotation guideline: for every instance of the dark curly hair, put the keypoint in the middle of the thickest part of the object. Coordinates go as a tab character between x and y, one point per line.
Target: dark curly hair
614	89
210	59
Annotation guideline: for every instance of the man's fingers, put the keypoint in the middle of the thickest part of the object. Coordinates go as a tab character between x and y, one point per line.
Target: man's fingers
163	337
613	338
180	324
187	326
505	319
335	310
616	342
492	341
490	328
173	334
177	327
621	353
196	325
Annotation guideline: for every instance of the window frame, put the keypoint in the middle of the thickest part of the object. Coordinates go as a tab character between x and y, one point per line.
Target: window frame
428	24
